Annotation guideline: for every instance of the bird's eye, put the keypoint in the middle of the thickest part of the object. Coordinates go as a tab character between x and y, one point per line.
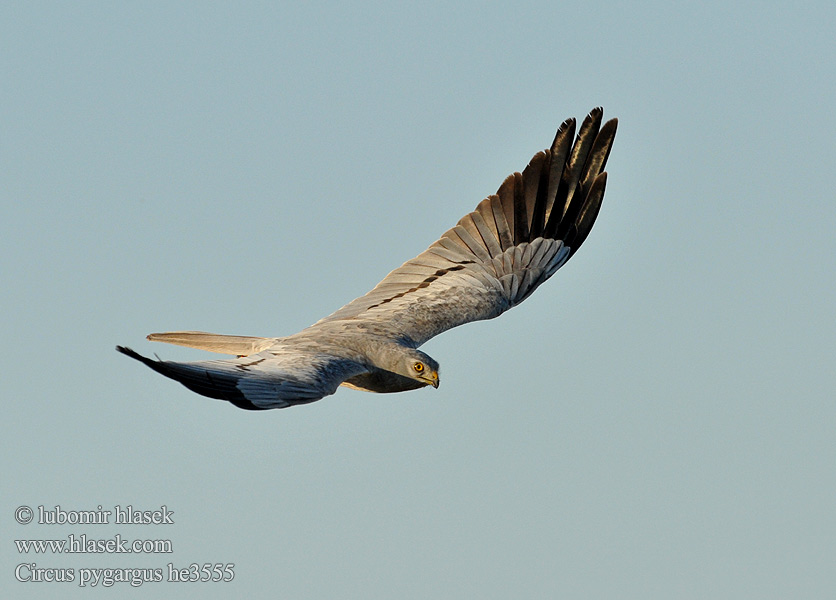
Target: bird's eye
418	367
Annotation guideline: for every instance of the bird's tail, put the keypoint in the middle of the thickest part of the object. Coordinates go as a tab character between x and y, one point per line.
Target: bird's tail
239	345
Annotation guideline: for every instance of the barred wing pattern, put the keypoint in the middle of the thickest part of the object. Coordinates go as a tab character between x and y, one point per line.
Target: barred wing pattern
497	255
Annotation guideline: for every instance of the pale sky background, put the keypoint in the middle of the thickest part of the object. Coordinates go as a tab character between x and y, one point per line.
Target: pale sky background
657	421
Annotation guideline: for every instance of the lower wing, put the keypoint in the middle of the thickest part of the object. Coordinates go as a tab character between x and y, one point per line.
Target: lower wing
274	378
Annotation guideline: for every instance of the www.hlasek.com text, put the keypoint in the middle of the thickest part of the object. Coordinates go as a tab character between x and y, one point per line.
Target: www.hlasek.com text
81	544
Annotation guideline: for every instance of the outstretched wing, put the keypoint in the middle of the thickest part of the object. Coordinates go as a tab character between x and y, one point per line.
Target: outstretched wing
275	378
496	256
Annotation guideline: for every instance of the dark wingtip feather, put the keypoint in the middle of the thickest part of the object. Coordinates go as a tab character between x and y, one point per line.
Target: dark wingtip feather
133	354
220	387
600	152
588	213
158	365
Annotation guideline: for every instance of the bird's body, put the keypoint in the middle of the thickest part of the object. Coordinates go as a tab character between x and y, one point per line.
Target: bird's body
493	259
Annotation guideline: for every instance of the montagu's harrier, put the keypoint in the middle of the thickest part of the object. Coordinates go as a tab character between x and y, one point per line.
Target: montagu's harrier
490	261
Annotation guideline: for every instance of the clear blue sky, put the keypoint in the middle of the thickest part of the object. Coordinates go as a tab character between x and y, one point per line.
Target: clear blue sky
657	421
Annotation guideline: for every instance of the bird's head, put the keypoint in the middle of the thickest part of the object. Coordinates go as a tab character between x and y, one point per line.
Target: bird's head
417	365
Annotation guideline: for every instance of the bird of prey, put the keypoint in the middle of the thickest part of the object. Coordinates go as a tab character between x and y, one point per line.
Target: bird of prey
492	260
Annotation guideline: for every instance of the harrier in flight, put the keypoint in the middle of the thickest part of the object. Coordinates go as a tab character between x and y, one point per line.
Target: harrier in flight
492	260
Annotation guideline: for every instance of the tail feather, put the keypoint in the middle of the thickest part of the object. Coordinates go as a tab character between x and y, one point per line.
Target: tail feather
239	345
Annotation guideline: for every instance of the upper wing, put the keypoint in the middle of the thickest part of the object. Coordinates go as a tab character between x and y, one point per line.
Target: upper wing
275	378
496	256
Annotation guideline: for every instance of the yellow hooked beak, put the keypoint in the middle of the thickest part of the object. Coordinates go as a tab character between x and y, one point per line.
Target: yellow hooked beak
432	379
